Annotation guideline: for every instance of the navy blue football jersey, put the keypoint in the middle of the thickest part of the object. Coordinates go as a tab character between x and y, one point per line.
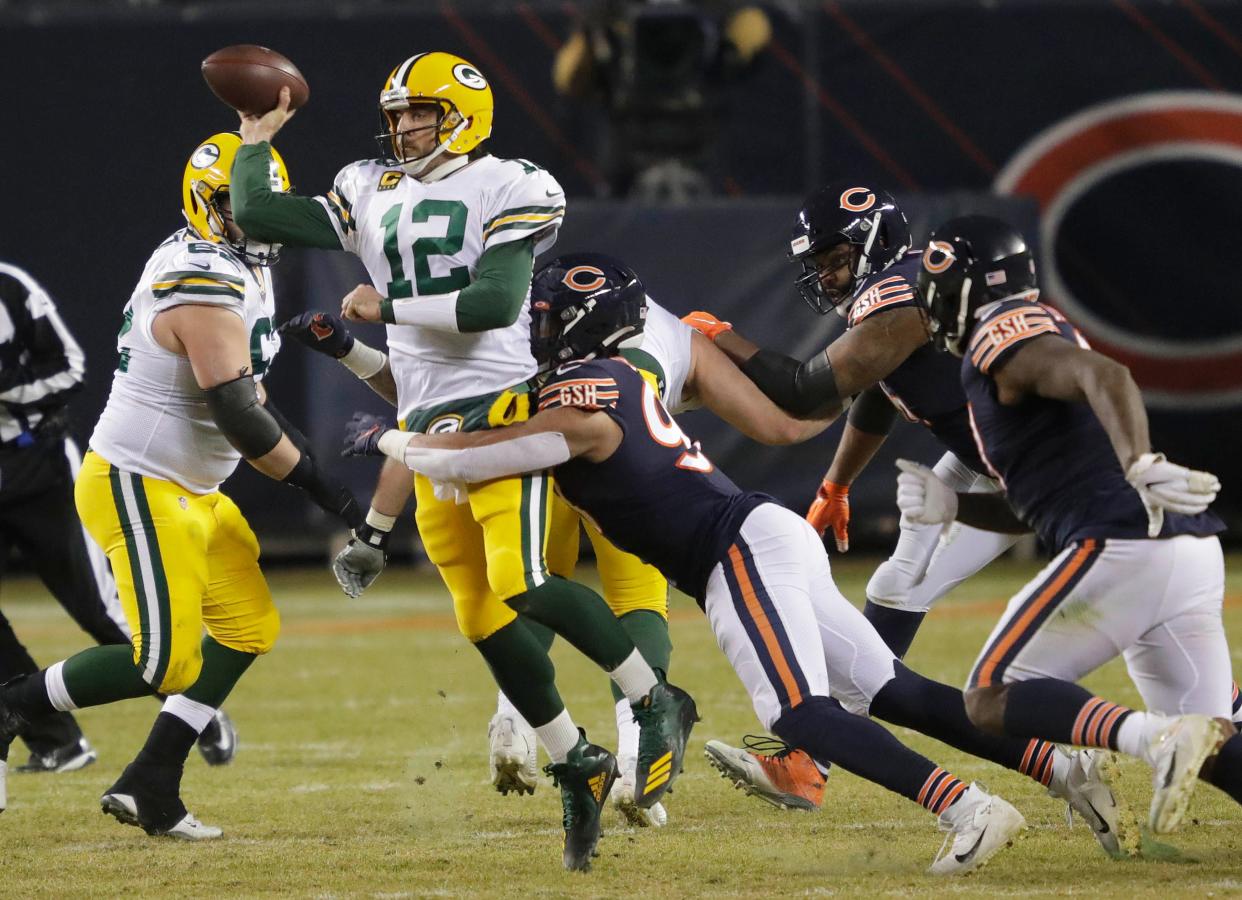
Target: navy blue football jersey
1054	458
926	388
657	496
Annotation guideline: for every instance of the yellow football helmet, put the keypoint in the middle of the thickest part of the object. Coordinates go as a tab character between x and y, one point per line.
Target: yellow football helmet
206	181
452	83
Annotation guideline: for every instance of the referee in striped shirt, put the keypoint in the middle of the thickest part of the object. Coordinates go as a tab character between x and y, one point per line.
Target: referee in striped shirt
41	368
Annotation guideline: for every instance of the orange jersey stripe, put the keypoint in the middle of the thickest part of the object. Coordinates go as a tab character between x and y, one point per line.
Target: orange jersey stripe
761	621
1019	627
990	357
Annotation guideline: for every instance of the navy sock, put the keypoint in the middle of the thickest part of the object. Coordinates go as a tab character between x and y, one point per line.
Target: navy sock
857	744
1062	712
938	711
1227	768
896	626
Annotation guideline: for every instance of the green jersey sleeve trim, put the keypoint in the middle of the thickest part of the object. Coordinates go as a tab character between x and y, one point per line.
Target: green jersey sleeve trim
269	216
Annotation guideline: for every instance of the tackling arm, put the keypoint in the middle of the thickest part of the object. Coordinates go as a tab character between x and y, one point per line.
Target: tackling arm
727	392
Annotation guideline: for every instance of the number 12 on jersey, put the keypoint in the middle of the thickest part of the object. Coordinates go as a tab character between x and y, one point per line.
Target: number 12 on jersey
430	228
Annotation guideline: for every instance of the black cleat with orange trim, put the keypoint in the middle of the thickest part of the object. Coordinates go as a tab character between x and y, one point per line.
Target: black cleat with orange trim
585	778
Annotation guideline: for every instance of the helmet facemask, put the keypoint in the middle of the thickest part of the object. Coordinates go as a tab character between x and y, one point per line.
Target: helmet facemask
448	126
810	283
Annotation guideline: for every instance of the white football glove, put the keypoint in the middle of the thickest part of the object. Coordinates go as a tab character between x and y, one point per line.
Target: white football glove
922	497
1163	485
357	566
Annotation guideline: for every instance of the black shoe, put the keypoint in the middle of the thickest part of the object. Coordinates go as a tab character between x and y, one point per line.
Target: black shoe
149	797
66	758
218	742
585	778
665	717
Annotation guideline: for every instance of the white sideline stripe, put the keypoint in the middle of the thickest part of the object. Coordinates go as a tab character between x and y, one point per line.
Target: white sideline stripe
152	643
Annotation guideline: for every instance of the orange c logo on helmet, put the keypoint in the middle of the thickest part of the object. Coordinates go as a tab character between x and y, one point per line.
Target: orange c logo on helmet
938	257
571	279
857	206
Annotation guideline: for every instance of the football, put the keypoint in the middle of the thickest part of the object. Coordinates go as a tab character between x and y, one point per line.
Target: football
248	78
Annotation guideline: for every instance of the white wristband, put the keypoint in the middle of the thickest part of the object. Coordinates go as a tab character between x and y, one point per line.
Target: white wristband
379	521
393	443
364	361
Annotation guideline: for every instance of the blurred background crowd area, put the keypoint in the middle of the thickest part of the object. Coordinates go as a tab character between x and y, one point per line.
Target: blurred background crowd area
686	134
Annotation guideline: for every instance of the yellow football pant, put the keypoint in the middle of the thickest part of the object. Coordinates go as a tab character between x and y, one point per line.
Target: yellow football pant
182	561
507	539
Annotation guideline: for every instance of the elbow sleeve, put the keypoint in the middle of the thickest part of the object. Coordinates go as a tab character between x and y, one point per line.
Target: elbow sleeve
241	418
873	412
798	388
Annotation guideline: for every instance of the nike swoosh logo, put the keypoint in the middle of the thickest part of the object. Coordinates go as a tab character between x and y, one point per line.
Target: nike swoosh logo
201	265
552	193
963	857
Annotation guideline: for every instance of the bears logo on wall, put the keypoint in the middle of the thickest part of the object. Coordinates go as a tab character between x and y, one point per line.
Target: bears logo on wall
1138	201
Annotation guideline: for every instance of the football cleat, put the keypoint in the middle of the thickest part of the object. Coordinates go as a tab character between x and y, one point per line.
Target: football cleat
1088	791
635	815
217	745
124	808
979	826
67	758
513	763
585	778
665	717
148	797
1177	755
785	777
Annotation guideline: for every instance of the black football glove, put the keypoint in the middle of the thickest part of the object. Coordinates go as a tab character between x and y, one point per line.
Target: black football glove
322	332
363	433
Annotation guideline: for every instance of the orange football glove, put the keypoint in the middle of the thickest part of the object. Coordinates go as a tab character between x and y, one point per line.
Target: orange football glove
831	507
706	324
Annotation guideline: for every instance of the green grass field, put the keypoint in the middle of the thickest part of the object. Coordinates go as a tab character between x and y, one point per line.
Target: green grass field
362	773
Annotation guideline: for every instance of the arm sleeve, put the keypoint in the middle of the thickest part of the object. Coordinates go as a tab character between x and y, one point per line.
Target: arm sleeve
797	388
873	412
278	218
55	364
493	300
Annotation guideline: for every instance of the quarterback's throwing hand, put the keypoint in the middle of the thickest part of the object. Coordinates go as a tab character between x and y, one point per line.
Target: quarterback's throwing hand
256	129
1163	485
831	509
322	332
362	435
922	497
362	304
706	324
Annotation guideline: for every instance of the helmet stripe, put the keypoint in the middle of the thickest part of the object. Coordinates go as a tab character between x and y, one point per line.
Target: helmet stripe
403	70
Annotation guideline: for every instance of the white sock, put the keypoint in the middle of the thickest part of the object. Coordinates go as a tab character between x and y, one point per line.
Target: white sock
634	677
196	715
1061	762
558	736
54	684
1135	735
627	736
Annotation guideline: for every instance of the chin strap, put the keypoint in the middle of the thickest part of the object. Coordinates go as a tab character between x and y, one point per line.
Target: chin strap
418	166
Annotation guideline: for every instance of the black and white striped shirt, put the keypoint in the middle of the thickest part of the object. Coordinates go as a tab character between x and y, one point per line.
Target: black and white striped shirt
41	365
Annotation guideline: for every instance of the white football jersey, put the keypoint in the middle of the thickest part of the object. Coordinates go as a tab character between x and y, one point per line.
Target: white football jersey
156	422
425	238
667	338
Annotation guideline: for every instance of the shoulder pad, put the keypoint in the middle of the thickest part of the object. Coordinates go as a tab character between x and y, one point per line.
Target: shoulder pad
1006	327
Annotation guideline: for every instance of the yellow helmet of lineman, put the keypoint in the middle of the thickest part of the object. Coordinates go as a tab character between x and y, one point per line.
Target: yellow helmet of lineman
452	83
206	180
